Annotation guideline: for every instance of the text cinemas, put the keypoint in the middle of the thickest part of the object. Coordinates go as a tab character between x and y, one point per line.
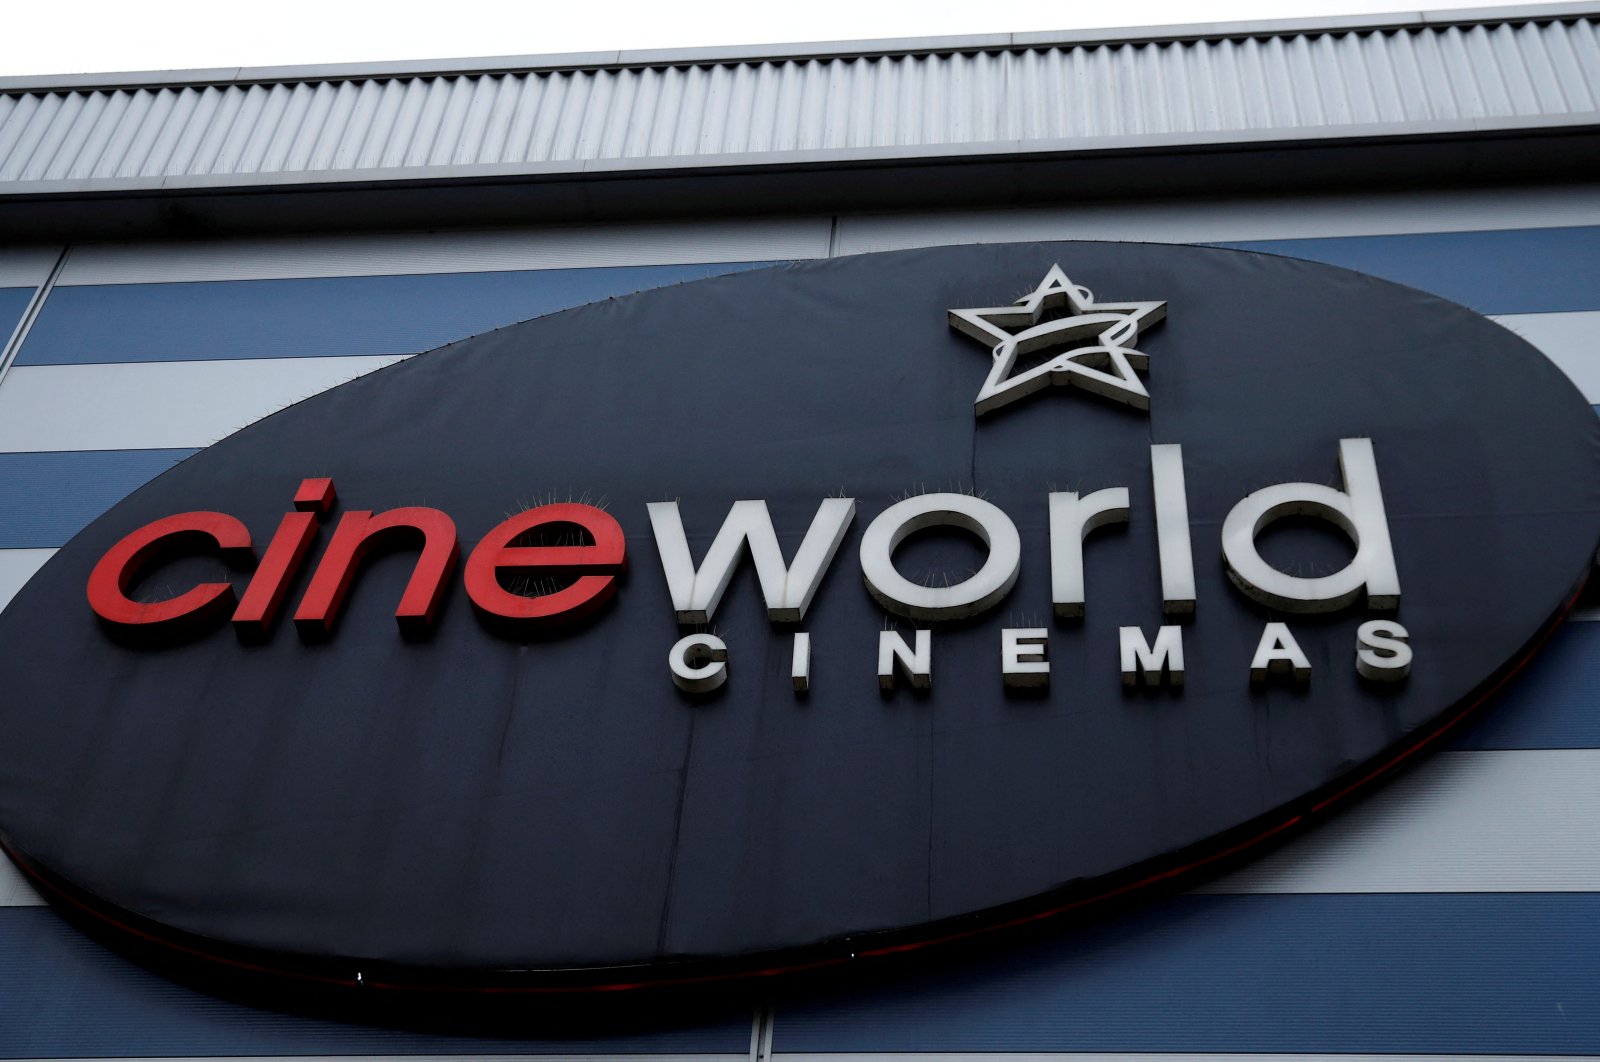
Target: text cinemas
523	583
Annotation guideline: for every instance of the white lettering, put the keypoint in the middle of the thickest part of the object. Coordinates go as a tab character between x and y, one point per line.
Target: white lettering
1152	665
1072	519
894	653
699	663
1022	657
787	589
1278	653
1357	510
1382	654
969	597
1172	529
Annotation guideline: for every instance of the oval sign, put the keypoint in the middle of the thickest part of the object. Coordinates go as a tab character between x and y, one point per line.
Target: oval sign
790	618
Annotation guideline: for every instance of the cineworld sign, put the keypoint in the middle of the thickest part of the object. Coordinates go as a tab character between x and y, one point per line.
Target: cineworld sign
790	620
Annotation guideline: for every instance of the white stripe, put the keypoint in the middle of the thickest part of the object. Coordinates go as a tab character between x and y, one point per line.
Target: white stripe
156	405
1571	340
1142	1056
1583	615
1504	821
460	252
1225	220
26	267
14	888
17	566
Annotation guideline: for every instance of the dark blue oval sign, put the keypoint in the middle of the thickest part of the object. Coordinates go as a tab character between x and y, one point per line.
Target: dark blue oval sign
792	617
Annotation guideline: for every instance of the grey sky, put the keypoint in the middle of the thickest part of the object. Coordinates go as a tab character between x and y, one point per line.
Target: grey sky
98	35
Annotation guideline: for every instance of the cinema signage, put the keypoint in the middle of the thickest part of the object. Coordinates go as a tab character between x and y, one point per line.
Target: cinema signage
1189	572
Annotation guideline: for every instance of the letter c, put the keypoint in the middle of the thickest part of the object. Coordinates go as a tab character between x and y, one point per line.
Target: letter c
120	568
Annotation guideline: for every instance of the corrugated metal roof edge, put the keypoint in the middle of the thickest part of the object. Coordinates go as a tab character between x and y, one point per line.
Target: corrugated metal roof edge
1572	9
926	154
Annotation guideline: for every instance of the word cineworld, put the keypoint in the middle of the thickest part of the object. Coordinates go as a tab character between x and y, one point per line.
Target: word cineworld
698	662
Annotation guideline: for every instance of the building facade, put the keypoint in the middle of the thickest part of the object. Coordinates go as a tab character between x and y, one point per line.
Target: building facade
185	254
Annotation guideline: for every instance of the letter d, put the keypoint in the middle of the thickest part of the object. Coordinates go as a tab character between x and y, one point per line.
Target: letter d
1357	510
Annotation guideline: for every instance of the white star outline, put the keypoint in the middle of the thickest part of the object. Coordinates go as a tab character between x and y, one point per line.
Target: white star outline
1106	368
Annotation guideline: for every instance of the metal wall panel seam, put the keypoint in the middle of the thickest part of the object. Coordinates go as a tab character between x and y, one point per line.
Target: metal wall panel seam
761	1033
19	334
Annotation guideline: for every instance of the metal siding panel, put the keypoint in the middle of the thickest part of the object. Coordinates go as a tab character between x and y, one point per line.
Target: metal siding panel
48	149
176	117
525	109
318	317
303	141
1565	72
142	125
181	404
392	254
45	499
34	124
394	148
383	100
221	108
66	996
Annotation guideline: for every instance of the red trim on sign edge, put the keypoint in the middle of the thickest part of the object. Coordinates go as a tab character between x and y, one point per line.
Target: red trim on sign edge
118	923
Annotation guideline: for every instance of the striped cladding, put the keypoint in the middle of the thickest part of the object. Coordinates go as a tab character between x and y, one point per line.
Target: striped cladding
1447	915
301	318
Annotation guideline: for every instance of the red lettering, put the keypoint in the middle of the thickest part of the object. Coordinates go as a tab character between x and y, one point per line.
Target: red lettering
119	570
315	496
262	599
595	565
358	533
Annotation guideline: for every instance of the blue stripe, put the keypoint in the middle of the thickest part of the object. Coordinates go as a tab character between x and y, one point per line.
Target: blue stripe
1551	704
13	303
1506	271
317	317
64	996
46	498
1445	974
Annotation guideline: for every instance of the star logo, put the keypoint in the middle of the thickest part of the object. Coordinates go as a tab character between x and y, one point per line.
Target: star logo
1105	365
